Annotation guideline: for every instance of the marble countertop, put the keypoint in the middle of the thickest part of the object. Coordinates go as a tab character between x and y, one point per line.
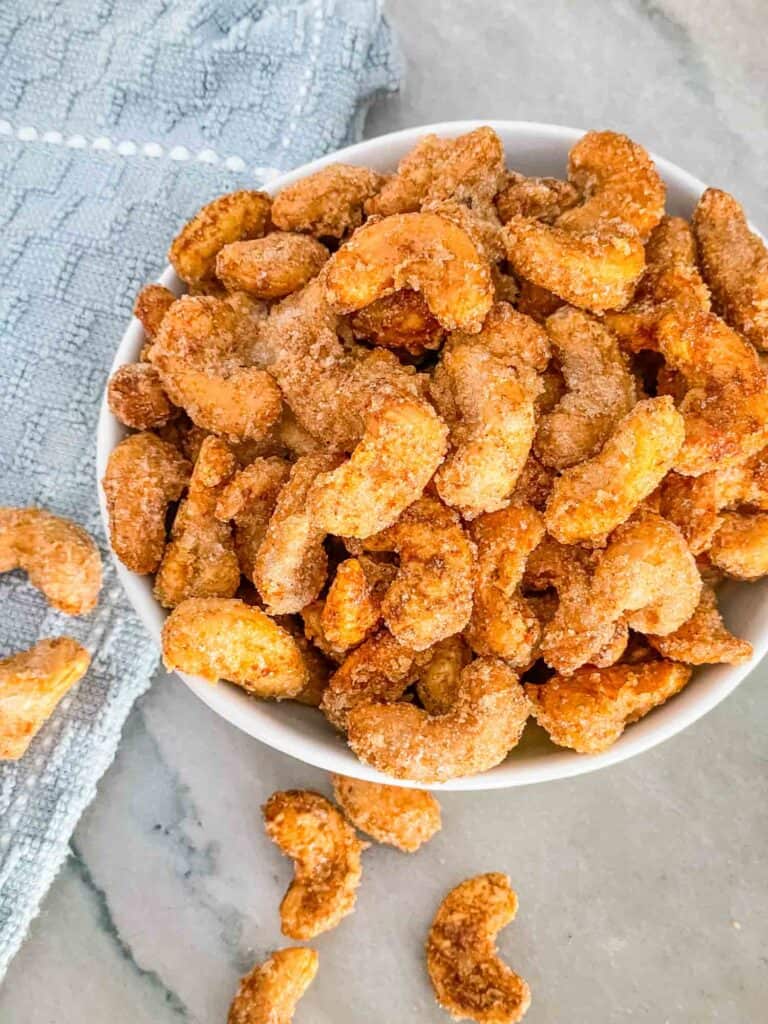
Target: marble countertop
641	887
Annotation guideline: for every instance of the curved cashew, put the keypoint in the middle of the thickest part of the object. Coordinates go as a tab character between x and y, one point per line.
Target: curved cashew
57	555
469	979
484	724
404	818
248	500
135	395
740	546
600	390
224	638
152	303
735	264
400	321
31	685
591	499
328	202
538	198
413	250
704	638
326	855
268	994
352	608
589	709
270	267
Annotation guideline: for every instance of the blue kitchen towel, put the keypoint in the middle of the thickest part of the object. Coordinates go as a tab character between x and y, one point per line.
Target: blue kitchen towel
118	119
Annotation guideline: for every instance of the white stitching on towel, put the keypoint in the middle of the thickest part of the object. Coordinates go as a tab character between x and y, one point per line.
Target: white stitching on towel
128	148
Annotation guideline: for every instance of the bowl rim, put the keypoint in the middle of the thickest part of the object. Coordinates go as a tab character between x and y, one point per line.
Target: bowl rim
560	763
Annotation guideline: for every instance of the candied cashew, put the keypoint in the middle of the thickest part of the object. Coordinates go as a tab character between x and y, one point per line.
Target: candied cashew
619	181
413	250
152	303
248	500
352	607
594	270
224	638
734	261
271	267
502	623
589	709
326	855
228	218
400	321
200	558
483	725
268	994
32	683
291	563
57	555
468	978
600	389
430	598
539	198
740	546
438	680
326	203
144	475
703	639
404	818
590	499
135	395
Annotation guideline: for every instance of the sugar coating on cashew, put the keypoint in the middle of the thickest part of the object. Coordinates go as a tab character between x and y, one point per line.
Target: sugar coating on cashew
143	476
704	639
469	979
485	722
326	858
136	396
594	270
327	203
59	557
620	184
399	321
200	558
591	499
740	546
438	680
271	267
600	390
32	683
203	354
229	218
431	595
403	818
248	500
268	994
352	607
539	198
224	638
152	303
589	709
734	261
503	624
413	250
291	563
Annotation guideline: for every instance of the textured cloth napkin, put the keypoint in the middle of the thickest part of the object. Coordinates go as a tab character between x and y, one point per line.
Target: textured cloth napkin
118	119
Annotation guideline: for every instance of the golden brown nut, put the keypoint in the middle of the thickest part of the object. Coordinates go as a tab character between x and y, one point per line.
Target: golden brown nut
270	267
204	353
404	818
152	303
600	390
200	558
224	638
135	395
268	994
31	685
704	638
228	218
540	198
469	979
431	595
588	710
326	855
484	724
248	500
595	270
735	264
620	183
352	608
413	250
144	475
591	499
438	681
328	202
291	564
399	321
740	546
58	556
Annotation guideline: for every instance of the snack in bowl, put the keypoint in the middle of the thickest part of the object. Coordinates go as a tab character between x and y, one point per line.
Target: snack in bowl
486	433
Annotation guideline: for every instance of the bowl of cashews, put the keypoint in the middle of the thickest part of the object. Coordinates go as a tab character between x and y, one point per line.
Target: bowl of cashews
460	499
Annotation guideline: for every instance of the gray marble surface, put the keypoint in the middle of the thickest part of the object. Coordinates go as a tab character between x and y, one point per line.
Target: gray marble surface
642	888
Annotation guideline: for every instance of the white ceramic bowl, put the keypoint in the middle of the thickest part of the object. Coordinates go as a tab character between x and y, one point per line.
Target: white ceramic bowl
302	732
